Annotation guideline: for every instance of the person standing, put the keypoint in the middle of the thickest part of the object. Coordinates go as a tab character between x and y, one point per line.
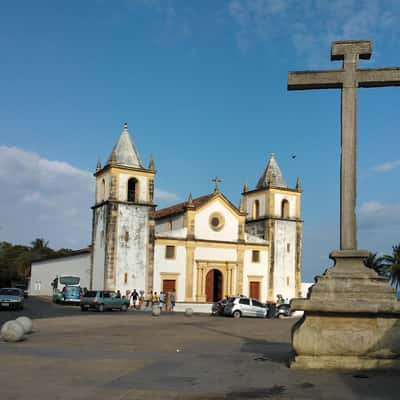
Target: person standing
162	300
134	297
172	298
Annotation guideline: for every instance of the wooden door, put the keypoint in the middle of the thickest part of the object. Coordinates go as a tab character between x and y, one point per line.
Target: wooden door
210	286
255	290
168	285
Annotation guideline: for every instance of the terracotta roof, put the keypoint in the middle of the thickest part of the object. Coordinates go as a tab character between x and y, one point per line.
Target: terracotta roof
180	208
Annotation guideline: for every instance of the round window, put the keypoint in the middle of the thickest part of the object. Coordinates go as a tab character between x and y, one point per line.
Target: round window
216	221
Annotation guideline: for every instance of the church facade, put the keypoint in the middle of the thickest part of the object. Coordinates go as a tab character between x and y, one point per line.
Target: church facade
204	248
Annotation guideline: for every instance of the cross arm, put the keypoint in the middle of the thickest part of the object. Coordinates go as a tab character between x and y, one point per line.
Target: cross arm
315	80
378	77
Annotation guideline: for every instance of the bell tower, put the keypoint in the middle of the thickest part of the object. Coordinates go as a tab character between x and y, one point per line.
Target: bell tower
123	221
274	214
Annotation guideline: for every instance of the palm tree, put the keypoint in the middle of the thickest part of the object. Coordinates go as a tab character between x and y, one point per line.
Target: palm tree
40	244
393	265
376	263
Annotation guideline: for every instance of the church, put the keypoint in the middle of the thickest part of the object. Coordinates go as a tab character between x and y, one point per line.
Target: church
204	249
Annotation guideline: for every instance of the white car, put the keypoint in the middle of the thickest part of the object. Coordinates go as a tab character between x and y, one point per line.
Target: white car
245	307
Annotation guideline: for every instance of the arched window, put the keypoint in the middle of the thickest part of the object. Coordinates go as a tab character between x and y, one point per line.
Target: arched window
103	190
256	209
285	209
132	189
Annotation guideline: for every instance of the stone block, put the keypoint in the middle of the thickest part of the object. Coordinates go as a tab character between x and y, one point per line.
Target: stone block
188	312
26	323
155	311
12	331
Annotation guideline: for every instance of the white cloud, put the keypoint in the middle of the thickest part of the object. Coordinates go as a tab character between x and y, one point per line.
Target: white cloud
45	198
161	196
311	25
387	166
374	215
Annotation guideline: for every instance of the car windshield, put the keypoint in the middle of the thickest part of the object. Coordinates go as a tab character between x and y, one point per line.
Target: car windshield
9	292
70	280
71	289
91	293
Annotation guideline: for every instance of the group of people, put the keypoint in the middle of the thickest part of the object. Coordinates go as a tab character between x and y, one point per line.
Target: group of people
166	301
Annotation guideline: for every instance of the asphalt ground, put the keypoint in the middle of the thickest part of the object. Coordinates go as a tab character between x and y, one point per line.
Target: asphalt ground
125	356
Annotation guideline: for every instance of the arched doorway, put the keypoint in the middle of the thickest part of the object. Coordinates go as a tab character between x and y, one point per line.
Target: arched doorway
213	285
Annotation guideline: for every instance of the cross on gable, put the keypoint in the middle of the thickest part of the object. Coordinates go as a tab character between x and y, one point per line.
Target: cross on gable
216	181
348	79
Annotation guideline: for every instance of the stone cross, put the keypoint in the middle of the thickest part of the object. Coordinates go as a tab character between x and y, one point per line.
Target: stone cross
348	79
216	180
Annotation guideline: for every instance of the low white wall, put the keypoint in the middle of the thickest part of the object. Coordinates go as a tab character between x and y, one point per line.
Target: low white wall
44	272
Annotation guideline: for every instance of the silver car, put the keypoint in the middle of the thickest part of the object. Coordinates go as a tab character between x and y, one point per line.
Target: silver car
245	307
11	298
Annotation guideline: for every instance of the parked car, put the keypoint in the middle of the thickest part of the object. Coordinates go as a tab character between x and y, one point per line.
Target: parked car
11	298
219	306
23	287
245	307
71	295
283	310
102	300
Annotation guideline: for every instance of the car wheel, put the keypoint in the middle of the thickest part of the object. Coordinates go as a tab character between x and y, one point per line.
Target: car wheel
100	308
83	308
124	307
237	314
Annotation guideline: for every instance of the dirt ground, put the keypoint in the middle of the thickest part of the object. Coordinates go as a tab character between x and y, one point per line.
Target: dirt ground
113	355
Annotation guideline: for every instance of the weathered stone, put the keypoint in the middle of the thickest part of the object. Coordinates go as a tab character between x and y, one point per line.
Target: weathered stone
351	319
189	312
26	323
12	331
351	315
156	311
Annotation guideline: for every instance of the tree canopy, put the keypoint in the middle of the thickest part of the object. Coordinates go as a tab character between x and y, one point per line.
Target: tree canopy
16	260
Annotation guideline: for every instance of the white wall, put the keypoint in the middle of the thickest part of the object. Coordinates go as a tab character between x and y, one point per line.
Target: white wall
123	187
165	265
44	272
217	254
278	204
250	201
253	268
131	253
99	181
285	232
99	243
203	230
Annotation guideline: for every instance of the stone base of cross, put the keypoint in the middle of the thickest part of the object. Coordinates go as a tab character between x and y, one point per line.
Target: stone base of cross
351	315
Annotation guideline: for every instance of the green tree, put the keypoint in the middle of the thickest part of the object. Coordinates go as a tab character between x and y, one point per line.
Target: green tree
377	263
393	266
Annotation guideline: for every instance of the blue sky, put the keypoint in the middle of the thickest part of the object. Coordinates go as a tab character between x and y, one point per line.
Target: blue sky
202	86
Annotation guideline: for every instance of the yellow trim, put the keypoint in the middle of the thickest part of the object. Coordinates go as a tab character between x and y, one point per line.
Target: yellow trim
124	170
255	278
219	196
189	272
209	243
203	267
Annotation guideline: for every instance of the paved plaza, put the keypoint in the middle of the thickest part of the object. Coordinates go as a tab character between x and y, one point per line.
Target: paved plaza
126	356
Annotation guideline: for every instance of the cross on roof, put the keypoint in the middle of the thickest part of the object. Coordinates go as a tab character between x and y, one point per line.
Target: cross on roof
216	180
348	79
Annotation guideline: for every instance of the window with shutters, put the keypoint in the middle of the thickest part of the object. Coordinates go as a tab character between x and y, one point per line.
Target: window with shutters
170	252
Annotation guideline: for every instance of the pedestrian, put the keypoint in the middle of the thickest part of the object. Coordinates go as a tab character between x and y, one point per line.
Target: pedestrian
141	299
162	300
134	298
118	296
172	299
155	298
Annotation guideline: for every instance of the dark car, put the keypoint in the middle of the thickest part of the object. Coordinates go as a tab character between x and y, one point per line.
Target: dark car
11	298
102	300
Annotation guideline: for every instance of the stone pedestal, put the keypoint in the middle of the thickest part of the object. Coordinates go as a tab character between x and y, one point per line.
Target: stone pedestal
351	319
